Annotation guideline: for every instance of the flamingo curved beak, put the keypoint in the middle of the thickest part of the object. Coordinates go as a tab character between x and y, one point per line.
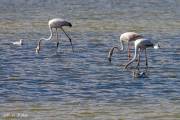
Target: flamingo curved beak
109	59
38	48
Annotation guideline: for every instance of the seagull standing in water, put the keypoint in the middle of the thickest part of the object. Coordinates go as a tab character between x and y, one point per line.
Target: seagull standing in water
125	37
55	23
140	45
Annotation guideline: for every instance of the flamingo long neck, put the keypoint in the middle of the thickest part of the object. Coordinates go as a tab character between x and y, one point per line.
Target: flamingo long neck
122	45
111	53
49	38
133	59
51	33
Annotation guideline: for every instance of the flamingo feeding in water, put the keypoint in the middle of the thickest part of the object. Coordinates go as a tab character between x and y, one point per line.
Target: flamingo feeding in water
125	37
140	45
55	23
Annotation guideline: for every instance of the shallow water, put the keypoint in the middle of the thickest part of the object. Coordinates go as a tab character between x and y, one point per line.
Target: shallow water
60	84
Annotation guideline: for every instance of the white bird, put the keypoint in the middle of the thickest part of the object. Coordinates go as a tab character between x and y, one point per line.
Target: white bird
140	45
20	42
125	37
55	23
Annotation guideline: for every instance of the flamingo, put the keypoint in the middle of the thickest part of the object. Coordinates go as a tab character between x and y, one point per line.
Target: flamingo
55	23
140	45
125	37
20	42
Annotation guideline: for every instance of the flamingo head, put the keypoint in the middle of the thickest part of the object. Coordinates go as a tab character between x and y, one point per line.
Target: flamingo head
38	46
109	58
37	49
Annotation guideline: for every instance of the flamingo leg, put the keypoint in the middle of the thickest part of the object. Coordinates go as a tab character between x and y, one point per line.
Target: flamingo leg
138	63
57	38
129	51
69	38
146	58
129	56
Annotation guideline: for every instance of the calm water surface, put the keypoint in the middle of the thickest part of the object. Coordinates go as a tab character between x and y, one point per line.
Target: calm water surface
62	85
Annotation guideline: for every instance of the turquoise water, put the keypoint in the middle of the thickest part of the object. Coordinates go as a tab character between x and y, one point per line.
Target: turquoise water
60	84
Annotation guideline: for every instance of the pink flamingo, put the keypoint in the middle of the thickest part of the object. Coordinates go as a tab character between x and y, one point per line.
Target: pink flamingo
55	23
140	45
125	37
